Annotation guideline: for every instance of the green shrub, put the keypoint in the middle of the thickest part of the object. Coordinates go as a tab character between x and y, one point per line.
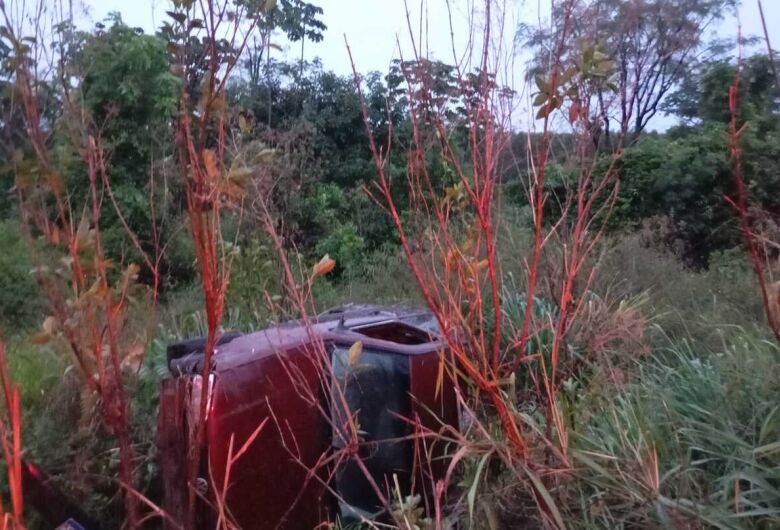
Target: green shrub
342	243
19	297
254	282
36	369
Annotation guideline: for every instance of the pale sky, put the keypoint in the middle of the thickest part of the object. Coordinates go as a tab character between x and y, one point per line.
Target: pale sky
373	27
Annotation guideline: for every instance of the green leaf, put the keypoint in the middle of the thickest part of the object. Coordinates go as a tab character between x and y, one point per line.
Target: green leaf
768	449
177	16
770	425
550	505
539	99
240	176
266	155
587	55
542	84
242	124
472	494
568	75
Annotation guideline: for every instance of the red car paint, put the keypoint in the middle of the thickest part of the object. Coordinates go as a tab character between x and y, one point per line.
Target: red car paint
283	376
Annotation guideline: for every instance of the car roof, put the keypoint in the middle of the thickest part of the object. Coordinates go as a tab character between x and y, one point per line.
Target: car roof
342	325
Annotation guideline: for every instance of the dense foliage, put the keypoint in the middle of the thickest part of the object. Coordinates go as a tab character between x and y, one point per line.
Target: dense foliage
678	178
670	363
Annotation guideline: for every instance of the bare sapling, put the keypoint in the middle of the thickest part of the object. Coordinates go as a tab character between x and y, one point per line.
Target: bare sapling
741	202
448	232
93	301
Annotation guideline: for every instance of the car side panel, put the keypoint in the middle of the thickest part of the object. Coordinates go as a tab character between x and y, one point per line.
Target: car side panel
435	404
269	486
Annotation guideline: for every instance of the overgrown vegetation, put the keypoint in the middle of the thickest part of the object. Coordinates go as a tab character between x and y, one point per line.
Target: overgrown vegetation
608	293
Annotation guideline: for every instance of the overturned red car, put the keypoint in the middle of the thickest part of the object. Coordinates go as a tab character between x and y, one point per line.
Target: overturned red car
303	381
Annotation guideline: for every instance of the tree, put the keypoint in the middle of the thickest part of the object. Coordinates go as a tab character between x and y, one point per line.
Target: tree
298	20
317	126
703	95
651	42
684	175
129	89
129	93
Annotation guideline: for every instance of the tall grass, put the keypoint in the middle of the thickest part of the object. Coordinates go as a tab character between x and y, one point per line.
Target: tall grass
693	441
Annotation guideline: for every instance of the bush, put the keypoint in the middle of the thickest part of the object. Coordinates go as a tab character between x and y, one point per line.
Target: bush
20	304
380	277
254	283
344	244
685	179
